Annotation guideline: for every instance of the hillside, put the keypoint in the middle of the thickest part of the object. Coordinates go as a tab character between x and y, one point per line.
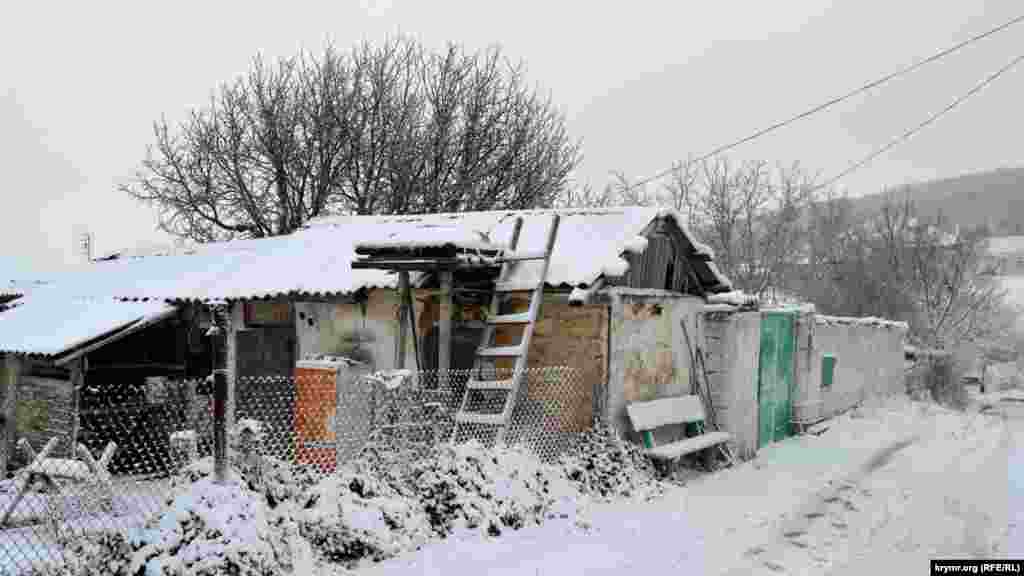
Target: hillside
995	198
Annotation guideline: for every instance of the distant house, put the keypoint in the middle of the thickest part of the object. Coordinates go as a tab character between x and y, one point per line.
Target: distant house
1005	255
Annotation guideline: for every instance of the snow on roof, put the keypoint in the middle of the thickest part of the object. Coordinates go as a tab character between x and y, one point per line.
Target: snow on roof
1006	245
317	260
589	245
47	323
865	321
20	287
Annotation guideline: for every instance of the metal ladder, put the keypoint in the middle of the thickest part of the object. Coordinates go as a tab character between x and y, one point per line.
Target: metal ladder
488	352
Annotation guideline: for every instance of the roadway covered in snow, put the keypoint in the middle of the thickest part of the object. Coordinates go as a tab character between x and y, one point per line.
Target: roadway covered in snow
882	490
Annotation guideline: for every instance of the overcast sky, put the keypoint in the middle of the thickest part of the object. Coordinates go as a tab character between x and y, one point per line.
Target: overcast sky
642	83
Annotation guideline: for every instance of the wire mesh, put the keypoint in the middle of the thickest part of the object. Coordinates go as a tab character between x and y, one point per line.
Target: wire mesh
117	466
111	471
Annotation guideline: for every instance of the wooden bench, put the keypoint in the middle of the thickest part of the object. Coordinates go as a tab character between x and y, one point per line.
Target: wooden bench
648	416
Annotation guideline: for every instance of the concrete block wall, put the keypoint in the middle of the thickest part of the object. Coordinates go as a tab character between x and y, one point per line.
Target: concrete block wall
731	343
870	360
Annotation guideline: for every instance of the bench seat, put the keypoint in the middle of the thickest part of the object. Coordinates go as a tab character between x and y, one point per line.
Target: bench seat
688	446
653	414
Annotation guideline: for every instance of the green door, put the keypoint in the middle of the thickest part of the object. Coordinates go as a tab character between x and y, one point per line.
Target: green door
775	377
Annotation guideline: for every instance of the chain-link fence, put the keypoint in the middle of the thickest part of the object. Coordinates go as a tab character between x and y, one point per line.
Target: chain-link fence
117	467
110	471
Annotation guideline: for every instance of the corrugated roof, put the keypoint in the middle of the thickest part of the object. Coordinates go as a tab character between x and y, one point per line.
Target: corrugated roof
49	324
317	260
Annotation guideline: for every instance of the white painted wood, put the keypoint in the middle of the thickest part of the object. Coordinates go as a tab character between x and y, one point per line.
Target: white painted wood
21	484
688	446
664	411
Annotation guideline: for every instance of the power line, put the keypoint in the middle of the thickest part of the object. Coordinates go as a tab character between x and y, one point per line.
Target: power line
928	121
838	99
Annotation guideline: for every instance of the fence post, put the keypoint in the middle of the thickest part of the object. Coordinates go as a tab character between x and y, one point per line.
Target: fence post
11	367
444	331
217	334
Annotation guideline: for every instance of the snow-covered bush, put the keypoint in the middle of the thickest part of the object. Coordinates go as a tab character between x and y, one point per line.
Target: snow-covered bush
207	529
354	515
604	466
277	480
378	507
470	486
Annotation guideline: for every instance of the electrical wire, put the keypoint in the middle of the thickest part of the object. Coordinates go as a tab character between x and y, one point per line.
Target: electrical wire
836	100
928	121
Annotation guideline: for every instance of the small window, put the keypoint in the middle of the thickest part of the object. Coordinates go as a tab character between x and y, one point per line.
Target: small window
670	275
828	370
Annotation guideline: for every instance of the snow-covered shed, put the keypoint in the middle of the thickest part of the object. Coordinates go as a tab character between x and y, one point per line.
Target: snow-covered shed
621	281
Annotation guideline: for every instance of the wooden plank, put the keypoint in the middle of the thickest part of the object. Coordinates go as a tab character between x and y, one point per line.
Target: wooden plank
656	413
11	374
138	366
688	446
445	324
403	319
24	480
77	385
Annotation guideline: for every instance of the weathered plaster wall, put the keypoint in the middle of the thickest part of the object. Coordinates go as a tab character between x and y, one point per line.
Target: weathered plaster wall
576	337
368	330
870	361
732	352
648	355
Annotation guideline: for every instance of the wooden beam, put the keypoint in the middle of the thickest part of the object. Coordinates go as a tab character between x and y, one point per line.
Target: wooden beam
117	335
444	340
138	366
11	373
77	384
403	322
412	326
416	265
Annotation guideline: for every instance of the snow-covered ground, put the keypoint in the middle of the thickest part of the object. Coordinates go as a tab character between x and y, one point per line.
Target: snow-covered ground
1014	287
883	489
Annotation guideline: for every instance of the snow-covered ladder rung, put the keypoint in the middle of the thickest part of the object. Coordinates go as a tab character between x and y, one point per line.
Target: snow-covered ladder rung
501	351
483	419
506	384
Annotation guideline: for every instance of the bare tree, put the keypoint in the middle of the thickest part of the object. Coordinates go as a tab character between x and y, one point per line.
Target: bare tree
377	129
894	264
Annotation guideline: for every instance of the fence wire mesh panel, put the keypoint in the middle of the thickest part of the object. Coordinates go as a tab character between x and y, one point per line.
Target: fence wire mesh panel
133	446
110	471
318	419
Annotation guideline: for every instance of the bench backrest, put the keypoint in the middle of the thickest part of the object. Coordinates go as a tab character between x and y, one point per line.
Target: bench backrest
663	411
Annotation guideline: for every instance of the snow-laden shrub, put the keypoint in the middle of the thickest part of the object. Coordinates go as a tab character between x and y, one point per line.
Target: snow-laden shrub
469	486
354	515
604	466
207	529
377	507
279	481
